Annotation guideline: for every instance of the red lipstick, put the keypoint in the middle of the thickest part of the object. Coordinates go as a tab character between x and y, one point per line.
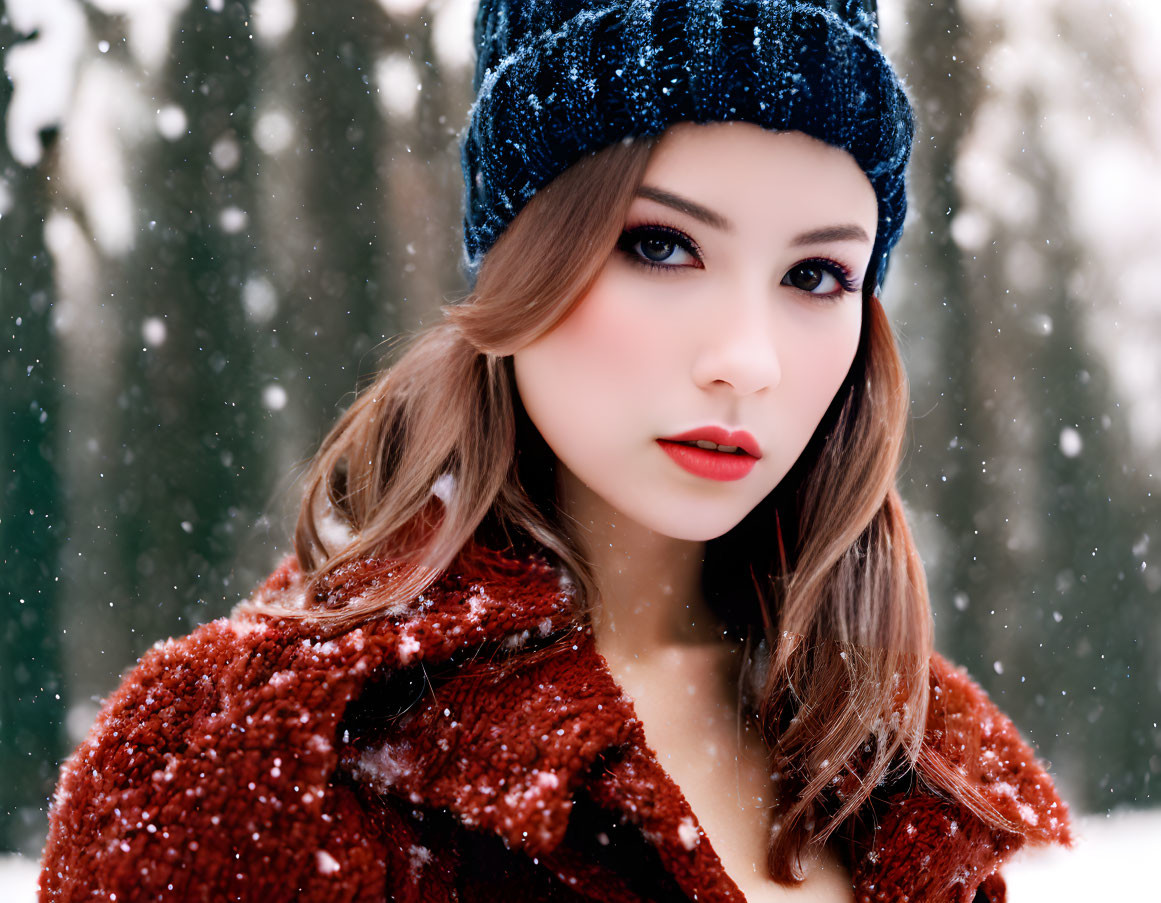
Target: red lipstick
738	460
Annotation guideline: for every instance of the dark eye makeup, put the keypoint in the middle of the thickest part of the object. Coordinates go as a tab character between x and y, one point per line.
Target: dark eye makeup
652	244
809	274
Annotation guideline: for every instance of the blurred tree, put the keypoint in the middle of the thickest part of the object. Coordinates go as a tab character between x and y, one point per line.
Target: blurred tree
947	437
336	287
364	201
183	433
1034	581
261	272
31	521
1075	610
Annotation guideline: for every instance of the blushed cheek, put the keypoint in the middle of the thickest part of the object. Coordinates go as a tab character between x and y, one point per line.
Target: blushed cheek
589	384
823	365
607	331
620	356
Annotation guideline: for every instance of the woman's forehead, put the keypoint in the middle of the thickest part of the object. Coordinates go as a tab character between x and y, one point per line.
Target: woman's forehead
745	140
743	173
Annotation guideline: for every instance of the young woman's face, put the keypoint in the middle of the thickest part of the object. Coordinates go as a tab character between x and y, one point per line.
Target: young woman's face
728	313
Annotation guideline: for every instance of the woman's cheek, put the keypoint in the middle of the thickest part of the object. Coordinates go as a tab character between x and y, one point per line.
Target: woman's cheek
612	329
815	366
613	343
585	383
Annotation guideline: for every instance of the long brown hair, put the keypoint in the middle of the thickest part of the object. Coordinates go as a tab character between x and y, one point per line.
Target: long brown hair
824	571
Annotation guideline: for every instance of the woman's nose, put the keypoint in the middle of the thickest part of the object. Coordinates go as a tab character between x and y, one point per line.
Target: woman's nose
740	351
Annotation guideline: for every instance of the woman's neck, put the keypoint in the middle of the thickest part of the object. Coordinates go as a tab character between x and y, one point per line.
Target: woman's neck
649	584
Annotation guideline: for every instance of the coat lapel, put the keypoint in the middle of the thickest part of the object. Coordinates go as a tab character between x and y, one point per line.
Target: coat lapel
504	743
924	846
507	741
506	746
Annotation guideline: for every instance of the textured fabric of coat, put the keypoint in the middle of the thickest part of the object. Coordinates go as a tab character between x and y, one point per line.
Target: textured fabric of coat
470	746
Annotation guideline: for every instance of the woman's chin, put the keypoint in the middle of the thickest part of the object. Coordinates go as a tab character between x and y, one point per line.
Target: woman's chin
693	525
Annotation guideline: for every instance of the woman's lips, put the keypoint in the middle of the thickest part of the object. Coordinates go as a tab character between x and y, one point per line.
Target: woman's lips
711	463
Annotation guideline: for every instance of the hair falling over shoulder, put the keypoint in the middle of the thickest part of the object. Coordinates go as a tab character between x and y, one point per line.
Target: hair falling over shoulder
438	452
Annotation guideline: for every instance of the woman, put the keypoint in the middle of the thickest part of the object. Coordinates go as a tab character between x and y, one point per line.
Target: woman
603	591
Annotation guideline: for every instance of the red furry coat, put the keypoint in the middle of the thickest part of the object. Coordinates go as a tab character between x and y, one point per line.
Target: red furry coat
472	746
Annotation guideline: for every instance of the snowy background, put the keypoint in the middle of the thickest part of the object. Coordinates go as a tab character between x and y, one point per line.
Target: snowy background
214	217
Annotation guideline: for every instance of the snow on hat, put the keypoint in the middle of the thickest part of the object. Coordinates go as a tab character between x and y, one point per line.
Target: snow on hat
557	79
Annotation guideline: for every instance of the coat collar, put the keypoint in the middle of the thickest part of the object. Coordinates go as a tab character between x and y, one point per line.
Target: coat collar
530	716
523	712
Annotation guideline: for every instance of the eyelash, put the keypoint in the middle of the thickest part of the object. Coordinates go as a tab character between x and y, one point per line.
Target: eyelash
631	237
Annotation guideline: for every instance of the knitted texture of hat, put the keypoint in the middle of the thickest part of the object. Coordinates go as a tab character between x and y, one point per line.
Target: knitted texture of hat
557	79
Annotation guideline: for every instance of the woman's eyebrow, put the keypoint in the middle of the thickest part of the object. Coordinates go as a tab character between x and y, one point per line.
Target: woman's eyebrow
684	205
717	221
832	233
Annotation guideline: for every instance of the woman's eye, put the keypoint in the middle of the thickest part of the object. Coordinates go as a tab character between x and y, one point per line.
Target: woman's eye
658	248
818	278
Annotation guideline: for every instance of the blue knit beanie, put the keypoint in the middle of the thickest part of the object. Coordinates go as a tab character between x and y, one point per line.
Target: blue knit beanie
558	79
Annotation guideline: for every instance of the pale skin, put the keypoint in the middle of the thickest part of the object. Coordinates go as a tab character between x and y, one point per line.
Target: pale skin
747	319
